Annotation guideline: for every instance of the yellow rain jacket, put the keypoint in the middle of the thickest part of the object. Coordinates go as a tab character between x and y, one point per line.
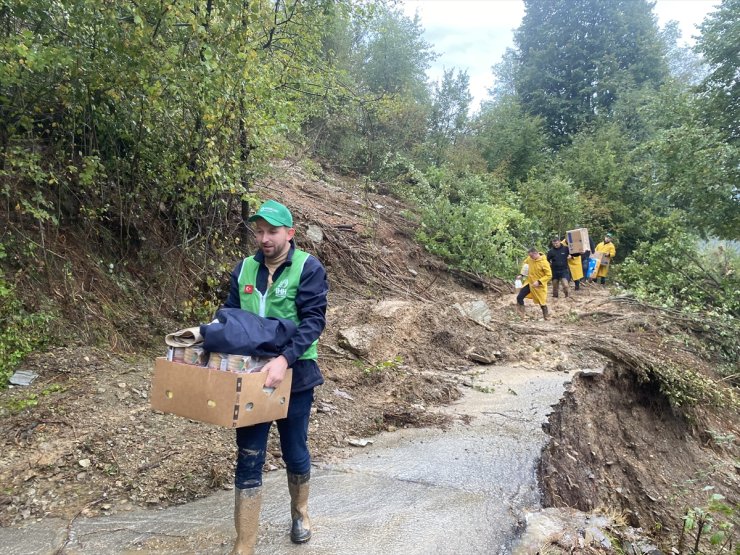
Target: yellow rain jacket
608	249
539	270
574	265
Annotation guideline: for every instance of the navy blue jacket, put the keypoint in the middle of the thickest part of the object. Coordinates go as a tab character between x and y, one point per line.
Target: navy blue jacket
238	332
558	258
311	303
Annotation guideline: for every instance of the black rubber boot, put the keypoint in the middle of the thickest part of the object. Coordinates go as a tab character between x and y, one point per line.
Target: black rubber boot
545	312
300	531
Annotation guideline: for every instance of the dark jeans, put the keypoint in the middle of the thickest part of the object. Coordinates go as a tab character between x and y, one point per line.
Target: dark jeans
523	292
251	442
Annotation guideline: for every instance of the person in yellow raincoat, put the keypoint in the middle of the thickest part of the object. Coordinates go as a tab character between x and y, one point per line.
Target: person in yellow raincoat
606	247
536	270
575	265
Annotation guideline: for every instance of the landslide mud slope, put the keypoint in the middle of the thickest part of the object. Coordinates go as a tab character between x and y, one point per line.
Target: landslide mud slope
82	439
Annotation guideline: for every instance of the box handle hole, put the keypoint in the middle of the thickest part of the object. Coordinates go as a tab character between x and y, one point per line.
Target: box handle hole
168	394
211	403
249	406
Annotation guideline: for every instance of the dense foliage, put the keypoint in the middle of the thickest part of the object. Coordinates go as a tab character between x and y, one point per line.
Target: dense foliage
681	271
23	331
576	57
116	115
117	112
719	43
139	128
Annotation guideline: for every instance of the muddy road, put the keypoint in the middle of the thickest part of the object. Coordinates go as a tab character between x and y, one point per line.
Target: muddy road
414	491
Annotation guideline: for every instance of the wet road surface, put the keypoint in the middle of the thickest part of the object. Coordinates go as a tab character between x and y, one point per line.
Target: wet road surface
411	492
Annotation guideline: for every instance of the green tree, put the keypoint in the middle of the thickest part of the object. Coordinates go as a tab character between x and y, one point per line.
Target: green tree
719	43
695	172
148	110
686	166
381	105
576	56
392	56
684	64
504	73
511	142
448	119
600	162
555	202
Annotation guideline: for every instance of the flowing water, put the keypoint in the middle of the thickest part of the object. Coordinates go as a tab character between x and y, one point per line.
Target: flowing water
410	492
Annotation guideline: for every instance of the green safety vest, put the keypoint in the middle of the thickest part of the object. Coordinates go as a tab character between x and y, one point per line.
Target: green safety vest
279	300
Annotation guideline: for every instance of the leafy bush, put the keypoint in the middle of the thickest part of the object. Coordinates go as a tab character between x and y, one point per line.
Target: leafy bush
681	272
119	111
687	387
710	528
22	331
555	202
476	237
469	188
404	179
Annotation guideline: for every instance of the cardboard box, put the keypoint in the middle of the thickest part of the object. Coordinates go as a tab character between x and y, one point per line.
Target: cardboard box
230	399
594	261
603	259
578	241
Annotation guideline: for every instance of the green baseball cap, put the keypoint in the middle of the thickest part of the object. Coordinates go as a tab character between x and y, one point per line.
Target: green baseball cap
274	213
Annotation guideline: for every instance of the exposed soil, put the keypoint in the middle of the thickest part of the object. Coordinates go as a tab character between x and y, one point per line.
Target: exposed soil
83	440
618	445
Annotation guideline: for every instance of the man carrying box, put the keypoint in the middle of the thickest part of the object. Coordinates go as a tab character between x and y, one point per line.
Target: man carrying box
575	267
285	282
606	247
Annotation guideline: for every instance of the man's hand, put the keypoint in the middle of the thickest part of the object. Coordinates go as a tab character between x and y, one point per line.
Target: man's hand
275	371
537	283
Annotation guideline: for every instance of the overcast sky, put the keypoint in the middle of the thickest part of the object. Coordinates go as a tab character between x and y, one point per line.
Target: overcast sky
473	34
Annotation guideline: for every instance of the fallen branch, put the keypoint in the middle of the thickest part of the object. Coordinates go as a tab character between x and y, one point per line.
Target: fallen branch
67	538
155	464
489	328
481	281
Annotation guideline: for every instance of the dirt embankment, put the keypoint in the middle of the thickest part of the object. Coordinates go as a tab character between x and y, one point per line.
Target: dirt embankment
618	445
82	439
